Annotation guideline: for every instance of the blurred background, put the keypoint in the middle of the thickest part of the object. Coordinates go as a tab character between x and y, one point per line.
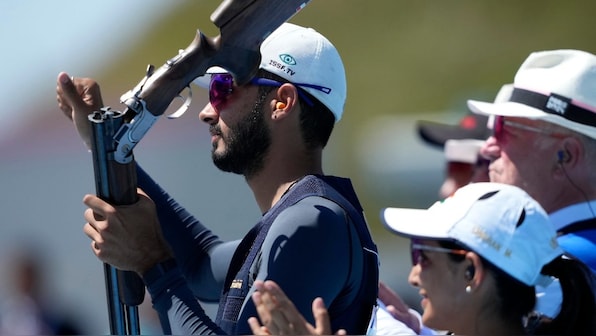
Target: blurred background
405	61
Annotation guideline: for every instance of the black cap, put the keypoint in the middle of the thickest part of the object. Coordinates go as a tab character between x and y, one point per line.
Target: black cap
471	126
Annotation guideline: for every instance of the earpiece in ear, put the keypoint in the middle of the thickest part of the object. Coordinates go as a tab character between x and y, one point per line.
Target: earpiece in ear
563	156
470	271
280	106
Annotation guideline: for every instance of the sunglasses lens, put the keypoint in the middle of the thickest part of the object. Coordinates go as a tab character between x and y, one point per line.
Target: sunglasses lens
414	253
415	256
220	88
498	127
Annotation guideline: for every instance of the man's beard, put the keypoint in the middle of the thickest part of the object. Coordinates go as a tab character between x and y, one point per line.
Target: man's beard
246	145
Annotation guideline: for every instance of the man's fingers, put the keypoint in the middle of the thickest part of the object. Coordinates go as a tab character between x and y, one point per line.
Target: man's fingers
272	306
99	206
82	94
78	98
67	92
63	101
256	327
262	308
273	288
319	311
279	314
91	93
269	313
286	319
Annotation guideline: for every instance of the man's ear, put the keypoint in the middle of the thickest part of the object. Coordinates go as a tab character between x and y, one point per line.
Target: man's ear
573	151
569	156
285	102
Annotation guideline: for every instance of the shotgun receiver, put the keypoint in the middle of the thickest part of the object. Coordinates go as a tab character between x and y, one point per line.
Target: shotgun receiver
243	25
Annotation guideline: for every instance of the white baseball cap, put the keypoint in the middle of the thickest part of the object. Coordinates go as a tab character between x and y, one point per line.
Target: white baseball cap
302	56
500	222
557	86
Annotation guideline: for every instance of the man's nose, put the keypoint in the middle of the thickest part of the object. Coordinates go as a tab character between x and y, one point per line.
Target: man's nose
209	114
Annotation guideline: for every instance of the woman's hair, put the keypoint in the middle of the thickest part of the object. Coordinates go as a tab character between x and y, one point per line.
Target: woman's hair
316	122
514	300
578	309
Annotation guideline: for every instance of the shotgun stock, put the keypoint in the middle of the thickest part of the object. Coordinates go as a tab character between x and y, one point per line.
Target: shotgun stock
243	24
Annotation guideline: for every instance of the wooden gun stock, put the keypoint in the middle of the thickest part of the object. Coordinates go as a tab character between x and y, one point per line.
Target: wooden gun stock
243	27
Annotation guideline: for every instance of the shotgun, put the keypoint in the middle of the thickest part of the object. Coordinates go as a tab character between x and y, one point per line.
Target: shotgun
243	25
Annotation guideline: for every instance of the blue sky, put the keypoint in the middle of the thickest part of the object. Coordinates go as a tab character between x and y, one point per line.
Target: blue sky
40	38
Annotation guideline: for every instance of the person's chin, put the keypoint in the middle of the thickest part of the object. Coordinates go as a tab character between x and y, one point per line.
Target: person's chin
427	319
218	148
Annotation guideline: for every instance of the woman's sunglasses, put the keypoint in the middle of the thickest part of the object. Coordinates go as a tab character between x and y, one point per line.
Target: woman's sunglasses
221	87
417	254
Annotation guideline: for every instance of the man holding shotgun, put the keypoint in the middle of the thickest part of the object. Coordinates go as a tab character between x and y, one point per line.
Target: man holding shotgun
313	239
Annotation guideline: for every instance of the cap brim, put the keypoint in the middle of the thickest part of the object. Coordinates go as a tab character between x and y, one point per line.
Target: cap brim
437	134
507	109
413	223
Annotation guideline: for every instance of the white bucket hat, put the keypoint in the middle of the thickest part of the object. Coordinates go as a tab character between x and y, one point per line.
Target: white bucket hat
557	86
302	56
500	222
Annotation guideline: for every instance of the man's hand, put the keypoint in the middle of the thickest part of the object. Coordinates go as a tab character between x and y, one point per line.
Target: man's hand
127	237
78	98
280	316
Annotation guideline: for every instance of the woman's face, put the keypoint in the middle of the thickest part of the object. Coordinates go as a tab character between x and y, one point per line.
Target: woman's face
441	283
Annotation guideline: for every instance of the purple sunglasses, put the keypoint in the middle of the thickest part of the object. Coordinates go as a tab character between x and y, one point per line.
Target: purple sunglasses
221	87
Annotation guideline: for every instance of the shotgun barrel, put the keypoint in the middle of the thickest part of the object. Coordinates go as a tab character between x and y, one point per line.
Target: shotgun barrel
116	183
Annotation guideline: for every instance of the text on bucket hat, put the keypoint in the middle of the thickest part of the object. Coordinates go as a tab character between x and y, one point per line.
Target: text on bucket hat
557	86
302	56
500	222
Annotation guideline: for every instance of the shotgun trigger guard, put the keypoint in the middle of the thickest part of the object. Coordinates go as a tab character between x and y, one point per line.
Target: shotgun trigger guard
182	109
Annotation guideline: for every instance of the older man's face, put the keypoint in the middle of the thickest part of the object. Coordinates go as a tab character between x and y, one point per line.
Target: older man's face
522	153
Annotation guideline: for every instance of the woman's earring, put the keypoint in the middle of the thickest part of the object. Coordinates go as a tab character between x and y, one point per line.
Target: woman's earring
468	289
